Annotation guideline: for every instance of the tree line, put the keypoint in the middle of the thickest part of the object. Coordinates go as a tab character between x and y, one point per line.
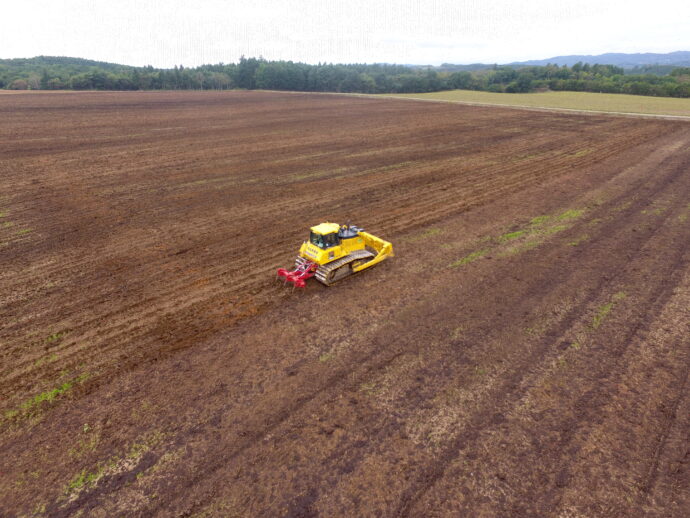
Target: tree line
47	73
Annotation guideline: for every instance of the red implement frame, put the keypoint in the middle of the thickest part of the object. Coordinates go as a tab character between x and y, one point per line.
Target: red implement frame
298	277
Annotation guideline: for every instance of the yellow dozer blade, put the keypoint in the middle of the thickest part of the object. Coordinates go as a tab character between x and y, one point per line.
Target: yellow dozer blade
383	249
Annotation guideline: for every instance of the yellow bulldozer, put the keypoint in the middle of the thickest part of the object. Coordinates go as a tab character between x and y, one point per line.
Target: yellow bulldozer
334	252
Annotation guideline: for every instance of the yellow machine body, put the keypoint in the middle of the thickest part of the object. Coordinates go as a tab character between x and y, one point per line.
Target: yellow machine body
350	246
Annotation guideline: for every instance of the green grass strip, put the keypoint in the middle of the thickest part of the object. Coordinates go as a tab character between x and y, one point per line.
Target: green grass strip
469	258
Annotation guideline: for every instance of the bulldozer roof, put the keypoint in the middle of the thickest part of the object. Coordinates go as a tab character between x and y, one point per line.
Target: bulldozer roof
325	228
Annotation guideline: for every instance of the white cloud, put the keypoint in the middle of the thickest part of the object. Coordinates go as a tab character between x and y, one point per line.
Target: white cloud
164	33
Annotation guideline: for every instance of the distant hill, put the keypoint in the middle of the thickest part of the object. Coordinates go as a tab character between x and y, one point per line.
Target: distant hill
46	61
59	68
679	59
53	72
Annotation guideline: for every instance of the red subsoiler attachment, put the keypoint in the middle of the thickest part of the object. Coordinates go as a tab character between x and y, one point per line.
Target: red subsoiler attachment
298	277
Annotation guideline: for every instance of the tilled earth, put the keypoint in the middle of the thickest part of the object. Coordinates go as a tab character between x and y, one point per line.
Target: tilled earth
525	353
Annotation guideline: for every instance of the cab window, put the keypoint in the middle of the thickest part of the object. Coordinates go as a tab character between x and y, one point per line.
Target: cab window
324	241
316	239
332	239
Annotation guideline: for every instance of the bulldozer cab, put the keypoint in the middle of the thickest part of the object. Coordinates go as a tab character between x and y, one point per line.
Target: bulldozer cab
325	235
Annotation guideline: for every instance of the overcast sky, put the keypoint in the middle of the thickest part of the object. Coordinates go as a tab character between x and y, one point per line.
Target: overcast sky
164	33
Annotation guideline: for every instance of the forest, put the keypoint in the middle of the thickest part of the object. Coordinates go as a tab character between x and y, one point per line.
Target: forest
64	73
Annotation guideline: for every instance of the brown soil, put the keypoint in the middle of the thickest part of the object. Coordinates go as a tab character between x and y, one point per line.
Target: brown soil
525	353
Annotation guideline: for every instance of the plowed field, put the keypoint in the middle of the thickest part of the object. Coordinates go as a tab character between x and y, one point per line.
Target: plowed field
525	353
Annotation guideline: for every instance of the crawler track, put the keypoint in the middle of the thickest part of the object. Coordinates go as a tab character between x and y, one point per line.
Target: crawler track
333	272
